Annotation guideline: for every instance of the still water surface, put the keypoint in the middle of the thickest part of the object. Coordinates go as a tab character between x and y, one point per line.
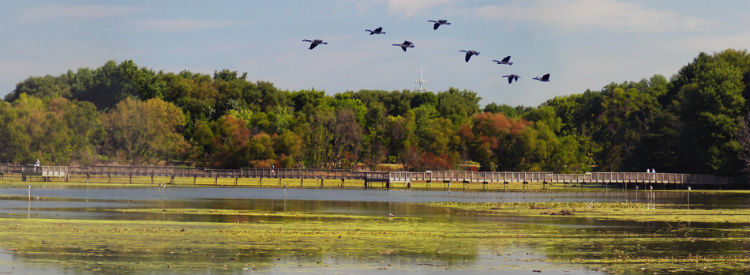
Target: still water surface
104	203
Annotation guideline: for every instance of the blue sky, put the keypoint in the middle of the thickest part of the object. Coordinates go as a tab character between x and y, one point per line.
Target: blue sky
583	44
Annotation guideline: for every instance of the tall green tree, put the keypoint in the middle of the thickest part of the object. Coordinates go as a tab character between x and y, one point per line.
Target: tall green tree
144	132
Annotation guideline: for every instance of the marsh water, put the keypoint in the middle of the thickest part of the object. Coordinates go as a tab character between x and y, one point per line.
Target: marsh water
485	255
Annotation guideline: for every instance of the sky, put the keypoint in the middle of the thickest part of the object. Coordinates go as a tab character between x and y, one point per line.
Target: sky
582	44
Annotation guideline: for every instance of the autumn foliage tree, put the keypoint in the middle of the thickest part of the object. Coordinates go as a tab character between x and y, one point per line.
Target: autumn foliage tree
144	132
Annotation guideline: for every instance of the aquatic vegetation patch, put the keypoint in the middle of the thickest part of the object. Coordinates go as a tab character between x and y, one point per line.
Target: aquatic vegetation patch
254	213
628	211
110	245
138	246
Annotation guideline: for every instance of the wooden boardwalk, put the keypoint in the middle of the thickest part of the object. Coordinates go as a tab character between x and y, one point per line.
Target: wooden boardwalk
548	177
444	176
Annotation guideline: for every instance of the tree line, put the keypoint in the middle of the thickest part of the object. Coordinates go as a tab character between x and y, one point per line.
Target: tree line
694	122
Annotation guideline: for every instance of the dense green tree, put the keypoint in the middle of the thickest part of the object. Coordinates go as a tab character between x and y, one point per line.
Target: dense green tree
347	136
743	136
144	132
122	113
457	105
53	130
318	142
42	87
712	103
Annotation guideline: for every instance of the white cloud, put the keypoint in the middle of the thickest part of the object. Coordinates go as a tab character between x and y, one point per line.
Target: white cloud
178	25
708	43
608	15
411	7
84	12
406	8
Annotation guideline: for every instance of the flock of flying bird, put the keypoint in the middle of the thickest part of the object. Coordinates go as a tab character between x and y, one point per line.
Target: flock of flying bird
437	23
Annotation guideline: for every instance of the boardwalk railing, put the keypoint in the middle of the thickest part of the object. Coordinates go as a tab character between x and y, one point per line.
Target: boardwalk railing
374	176
548	177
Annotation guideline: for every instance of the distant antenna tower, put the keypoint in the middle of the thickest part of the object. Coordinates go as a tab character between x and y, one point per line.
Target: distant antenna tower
420	81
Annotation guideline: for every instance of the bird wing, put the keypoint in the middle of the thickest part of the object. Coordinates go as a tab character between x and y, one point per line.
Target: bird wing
506	59
379	29
403	47
468	56
545	77
313	45
434	27
510	79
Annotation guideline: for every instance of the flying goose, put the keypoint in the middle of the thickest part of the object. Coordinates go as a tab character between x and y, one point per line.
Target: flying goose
544	78
405	44
378	30
315	43
512	77
469	53
438	23
505	60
